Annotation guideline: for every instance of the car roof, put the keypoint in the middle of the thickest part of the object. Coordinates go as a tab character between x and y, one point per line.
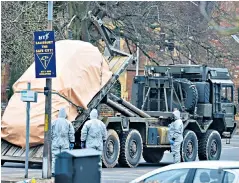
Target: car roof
236	170
194	164
204	164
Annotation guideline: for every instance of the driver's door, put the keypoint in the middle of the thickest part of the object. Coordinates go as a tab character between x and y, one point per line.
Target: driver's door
227	105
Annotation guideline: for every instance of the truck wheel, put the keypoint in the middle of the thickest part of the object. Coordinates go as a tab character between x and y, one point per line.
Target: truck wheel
189	148
210	146
111	149
152	155
131	148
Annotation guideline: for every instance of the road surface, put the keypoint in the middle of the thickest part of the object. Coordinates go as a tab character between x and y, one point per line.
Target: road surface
118	174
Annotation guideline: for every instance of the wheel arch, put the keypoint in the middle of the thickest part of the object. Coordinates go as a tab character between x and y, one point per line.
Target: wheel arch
141	127
114	126
195	128
126	124
218	124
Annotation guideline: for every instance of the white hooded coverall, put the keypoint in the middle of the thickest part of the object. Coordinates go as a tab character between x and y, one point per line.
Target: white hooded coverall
94	132
62	134
176	132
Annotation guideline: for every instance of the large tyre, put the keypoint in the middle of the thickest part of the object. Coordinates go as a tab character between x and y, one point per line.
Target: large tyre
189	148
111	149
131	148
190	95
210	146
153	155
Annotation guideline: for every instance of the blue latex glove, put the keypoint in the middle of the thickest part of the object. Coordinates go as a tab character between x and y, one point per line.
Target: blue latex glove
171	142
82	145
72	146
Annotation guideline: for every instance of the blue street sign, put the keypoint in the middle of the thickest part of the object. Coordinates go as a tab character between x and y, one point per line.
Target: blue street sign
44	53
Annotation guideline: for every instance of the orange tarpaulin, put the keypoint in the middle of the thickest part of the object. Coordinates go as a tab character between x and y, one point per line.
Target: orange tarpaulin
81	72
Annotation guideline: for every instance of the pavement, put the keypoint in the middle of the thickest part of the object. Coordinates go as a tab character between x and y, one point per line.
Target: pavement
14	172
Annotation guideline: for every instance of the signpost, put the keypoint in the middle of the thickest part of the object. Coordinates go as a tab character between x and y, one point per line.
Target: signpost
28	96
44	52
45	66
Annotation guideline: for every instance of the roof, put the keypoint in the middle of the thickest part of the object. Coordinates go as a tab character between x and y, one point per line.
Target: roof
193	164
222	81
205	164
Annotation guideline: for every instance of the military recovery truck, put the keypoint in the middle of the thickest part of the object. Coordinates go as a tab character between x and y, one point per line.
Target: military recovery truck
204	96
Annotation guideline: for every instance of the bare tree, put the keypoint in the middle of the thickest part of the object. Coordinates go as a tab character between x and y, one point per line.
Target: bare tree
18	21
155	26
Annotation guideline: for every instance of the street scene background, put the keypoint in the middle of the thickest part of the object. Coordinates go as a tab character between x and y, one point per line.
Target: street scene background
119	174
159	33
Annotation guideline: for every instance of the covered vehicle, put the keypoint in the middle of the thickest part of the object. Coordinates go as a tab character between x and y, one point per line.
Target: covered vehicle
81	72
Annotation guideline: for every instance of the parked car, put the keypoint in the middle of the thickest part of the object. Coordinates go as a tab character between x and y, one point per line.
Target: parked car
194	172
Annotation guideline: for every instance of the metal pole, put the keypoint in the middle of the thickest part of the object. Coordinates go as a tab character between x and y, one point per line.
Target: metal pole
120	109
172	88
47	156
137	63
27	133
145	99
130	106
165	97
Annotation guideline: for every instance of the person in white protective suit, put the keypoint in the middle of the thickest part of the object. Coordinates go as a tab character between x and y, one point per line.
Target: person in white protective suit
176	136
62	135
93	133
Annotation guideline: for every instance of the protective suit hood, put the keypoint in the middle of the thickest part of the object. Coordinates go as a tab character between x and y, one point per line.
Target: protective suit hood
62	113
62	134
176	114
94	114
94	132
